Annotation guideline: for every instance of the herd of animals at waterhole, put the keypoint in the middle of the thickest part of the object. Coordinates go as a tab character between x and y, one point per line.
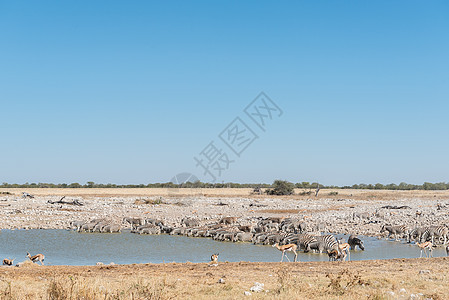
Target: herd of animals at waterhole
288	235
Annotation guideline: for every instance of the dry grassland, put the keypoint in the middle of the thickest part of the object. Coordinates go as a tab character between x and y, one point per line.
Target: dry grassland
308	280
232	192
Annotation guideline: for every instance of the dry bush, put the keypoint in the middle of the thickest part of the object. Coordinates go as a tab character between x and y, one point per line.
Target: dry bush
151	291
6	293
79	288
343	281
285	280
149	201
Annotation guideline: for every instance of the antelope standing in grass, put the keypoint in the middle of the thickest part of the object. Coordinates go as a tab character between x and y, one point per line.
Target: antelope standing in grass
35	258
424	246
289	247
8	262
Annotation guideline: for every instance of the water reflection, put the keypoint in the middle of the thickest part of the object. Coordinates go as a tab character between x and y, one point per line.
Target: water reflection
62	247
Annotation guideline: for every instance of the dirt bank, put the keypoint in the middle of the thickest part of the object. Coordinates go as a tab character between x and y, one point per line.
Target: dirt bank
385	279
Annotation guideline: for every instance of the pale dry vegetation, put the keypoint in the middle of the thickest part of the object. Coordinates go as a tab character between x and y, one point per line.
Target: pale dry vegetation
232	192
311	280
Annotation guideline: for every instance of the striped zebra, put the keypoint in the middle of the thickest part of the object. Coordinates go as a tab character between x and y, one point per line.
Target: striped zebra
290	238
393	230
324	243
303	240
435	231
416	233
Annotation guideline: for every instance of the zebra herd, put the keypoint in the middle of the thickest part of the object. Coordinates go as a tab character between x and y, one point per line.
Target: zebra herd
96	225
264	231
434	234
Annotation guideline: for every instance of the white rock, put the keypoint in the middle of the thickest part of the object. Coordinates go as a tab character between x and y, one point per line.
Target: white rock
247	293
257	287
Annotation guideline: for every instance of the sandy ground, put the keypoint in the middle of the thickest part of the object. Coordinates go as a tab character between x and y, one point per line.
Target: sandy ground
338	212
385	279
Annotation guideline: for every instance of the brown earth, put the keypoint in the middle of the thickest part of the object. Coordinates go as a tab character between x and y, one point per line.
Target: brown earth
376	279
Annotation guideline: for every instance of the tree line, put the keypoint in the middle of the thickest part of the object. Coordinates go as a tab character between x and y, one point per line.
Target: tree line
199	184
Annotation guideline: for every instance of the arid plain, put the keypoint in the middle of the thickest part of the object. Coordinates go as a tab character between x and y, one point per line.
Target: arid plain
340	210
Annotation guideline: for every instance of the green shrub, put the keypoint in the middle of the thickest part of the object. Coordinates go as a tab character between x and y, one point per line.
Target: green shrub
281	187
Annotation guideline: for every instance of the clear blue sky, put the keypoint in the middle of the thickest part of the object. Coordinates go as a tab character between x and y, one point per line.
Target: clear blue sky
131	91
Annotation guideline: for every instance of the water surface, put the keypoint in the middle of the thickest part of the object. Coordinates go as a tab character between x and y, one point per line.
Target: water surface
63	247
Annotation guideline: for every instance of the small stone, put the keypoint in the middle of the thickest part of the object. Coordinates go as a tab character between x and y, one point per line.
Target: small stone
221	280
402	290
391	293
257	287
424	272
247	293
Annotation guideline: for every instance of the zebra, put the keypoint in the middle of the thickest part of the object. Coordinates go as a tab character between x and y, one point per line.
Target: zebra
432	231
416	233
323	243
190	222
134	222
289	238
318	245
330	242
273	238
354	241
393	230
303	240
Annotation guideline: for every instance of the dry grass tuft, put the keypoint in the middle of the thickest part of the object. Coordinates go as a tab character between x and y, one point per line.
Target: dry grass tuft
343	281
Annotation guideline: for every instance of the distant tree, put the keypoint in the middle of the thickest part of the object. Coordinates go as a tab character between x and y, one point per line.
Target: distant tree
281	187
378	186
90	184
74	185
391	186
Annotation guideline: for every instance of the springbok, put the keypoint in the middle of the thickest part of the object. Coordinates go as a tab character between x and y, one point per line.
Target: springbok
344	247
214	258
424	246
35	258
8	262
335	255
289	247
